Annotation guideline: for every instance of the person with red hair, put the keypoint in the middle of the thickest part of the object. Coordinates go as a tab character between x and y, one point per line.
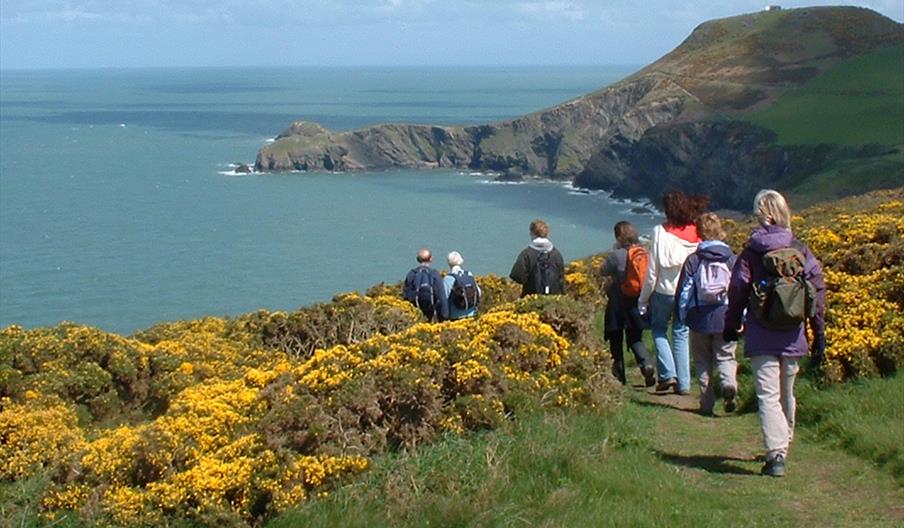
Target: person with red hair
673	242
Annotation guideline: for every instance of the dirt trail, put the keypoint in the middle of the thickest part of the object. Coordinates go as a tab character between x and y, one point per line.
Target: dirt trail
723	455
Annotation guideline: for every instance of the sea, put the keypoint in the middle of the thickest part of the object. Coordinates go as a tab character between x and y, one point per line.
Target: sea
120	205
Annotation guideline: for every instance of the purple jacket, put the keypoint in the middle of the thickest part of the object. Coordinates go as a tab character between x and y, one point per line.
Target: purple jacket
761	341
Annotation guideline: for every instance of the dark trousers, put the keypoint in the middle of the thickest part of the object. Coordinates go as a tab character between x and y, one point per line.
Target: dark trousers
617	341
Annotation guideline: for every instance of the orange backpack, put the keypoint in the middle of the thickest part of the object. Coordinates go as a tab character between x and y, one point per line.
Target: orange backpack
635	271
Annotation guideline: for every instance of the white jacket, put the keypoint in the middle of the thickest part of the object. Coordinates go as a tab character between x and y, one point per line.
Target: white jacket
666	258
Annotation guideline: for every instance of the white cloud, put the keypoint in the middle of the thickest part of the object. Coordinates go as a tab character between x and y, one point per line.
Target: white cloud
558	8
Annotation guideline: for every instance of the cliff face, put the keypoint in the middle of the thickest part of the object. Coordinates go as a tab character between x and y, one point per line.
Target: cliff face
554	143
672	124
728	161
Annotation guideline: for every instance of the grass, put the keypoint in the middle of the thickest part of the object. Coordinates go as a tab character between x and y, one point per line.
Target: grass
655	462
860	101
864	418
848	177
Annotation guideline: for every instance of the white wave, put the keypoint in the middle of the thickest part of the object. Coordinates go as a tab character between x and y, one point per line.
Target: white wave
498	182
270	140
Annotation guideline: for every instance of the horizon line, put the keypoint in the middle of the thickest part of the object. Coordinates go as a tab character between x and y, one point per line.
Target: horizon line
321	66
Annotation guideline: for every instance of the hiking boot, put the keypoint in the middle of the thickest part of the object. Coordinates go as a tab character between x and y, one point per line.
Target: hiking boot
649	375
728	394
682	392
774	467
666	384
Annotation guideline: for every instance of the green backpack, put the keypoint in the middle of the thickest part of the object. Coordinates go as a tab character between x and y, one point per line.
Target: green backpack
784	298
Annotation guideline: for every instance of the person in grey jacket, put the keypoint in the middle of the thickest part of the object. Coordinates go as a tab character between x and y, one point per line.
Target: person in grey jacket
623	323
540	268
774	354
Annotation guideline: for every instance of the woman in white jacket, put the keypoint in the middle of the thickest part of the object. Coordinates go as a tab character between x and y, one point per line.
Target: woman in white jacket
673	241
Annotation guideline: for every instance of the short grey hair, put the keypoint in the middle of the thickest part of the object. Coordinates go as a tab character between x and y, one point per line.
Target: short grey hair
455	259
770	208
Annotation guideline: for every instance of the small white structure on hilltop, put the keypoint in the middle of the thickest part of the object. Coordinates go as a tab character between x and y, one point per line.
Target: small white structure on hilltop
773	8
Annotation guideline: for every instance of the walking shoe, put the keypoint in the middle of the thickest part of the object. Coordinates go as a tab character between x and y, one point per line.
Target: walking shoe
728	394
649	375
666	384
774	467
682	392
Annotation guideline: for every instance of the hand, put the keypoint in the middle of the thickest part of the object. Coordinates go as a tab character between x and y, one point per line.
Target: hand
818	348
729	335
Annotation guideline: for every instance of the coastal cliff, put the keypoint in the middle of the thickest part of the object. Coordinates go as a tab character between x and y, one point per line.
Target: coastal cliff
688	120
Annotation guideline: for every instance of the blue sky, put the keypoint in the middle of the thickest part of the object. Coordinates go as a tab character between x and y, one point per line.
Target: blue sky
140	33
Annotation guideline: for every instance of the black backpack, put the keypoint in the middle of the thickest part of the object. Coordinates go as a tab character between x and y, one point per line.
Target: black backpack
465	294
545	274
423	289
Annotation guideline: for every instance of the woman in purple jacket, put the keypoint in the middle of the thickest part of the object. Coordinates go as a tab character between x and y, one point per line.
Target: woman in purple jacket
773	354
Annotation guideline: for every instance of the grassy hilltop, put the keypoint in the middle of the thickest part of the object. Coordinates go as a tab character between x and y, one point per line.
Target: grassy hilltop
803	100
512	415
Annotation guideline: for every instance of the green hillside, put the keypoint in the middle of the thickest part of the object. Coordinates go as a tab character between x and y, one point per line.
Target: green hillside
860	101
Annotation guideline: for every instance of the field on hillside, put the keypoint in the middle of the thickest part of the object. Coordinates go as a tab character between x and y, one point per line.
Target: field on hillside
231	421
842	106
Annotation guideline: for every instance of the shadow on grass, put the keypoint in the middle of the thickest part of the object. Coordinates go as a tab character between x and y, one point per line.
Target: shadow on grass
710	463
666	405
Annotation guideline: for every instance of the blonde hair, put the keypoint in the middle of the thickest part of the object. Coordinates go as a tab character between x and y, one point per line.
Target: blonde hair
539	229
709	227
770	208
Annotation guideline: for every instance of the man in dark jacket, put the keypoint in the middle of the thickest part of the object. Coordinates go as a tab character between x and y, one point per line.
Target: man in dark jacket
540	267
424	288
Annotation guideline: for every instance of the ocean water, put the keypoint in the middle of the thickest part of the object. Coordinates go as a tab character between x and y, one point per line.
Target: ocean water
119	207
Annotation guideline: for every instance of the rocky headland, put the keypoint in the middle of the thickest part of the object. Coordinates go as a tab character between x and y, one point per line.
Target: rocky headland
679	122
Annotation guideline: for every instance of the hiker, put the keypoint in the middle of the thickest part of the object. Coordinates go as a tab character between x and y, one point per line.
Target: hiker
424	288
778	310
626	264
702	302
540	267
673	242
461	289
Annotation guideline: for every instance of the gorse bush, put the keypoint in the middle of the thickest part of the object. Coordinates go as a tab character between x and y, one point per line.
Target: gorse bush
350	318
228	422
860	243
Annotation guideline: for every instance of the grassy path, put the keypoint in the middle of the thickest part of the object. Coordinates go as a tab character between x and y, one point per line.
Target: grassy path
720	457
655	462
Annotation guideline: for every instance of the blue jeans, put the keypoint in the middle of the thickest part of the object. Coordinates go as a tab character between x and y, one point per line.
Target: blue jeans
671	361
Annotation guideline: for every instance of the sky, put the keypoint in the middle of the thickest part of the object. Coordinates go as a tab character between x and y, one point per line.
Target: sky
283	33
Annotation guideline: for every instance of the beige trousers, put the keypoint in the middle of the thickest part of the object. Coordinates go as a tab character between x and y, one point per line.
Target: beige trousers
774	378
709	351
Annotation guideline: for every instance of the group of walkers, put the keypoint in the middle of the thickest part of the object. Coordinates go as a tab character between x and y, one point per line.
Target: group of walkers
689	282
539	269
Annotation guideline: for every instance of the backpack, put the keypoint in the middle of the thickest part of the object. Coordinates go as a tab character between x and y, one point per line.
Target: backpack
783	298
420	291
465	294
545	274
711	282
635	271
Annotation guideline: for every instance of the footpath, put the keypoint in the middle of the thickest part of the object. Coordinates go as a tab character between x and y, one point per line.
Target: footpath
721	457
